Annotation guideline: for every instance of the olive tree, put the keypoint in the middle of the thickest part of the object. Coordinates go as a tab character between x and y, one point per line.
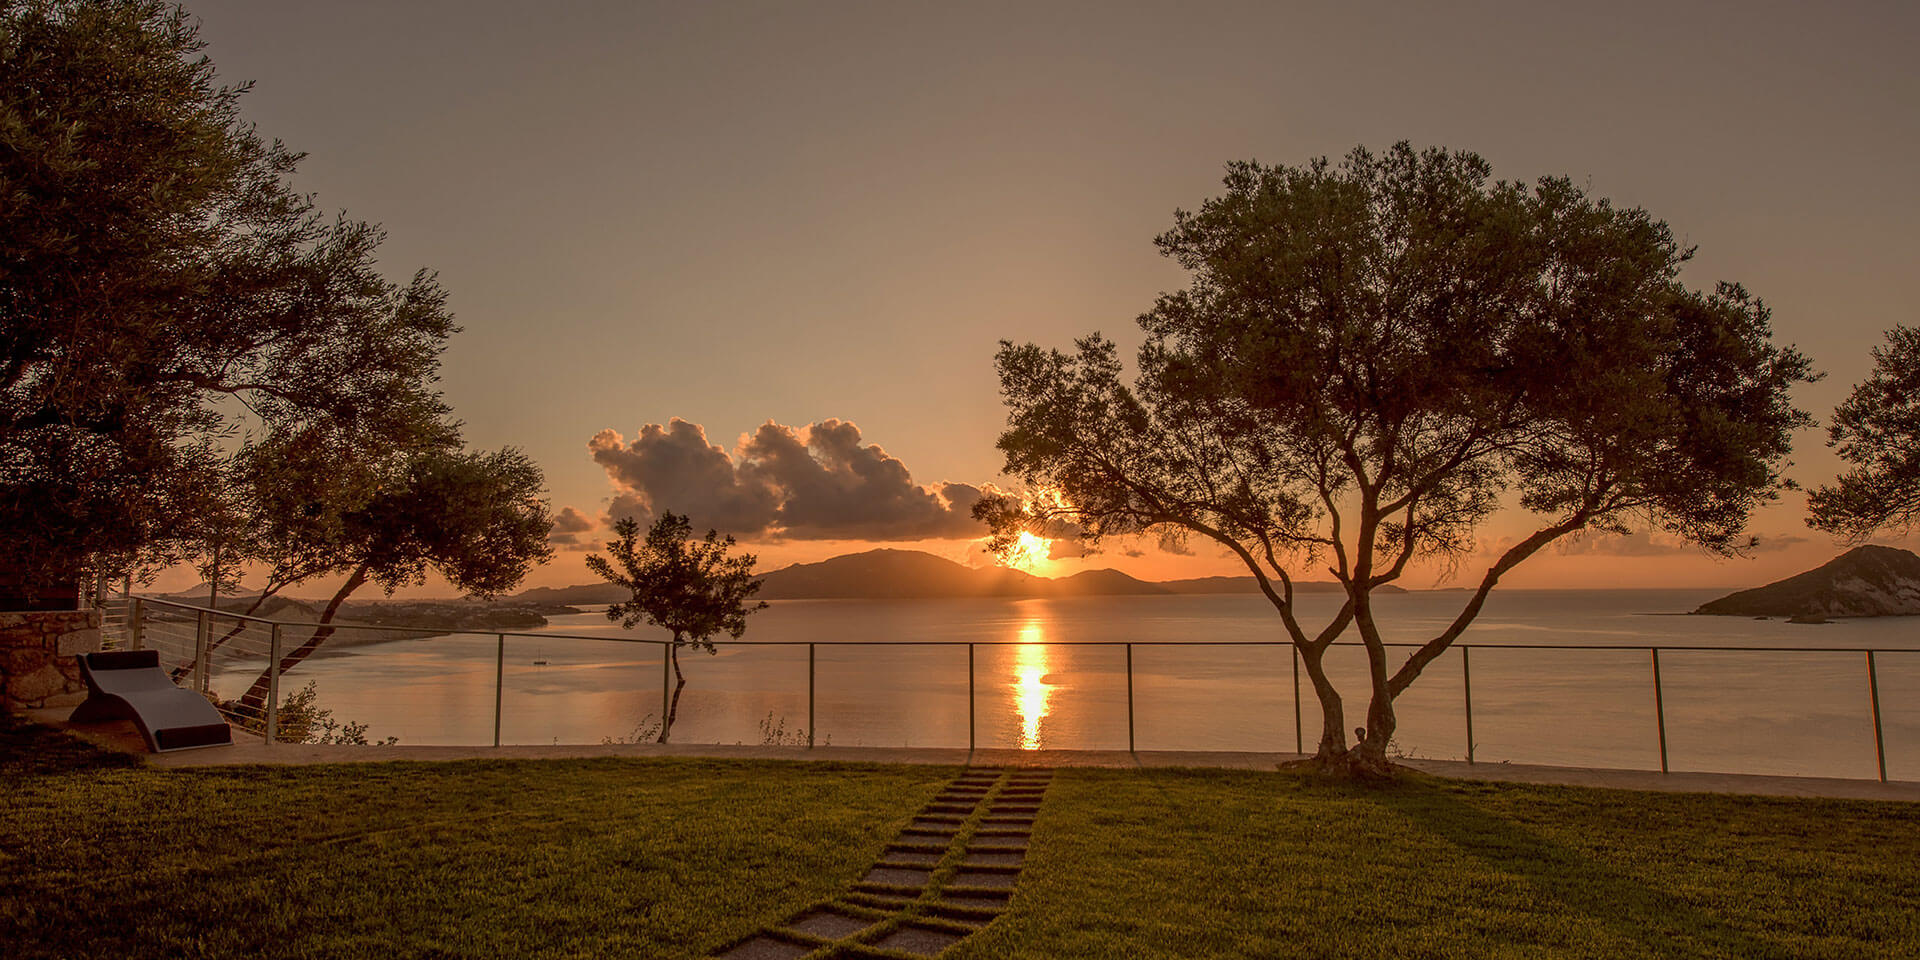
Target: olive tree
694	588
162	282
325	507
1375	356
1877	430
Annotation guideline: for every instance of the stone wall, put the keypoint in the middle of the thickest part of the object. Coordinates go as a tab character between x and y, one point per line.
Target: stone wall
36	655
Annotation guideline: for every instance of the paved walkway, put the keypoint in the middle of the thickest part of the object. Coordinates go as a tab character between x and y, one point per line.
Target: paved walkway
253	750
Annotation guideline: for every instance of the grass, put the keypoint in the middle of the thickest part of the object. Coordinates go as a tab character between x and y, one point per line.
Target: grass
1232	864
590	858
674	858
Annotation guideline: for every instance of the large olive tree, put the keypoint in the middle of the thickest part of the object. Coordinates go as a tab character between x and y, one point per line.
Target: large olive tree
162	281
1371	359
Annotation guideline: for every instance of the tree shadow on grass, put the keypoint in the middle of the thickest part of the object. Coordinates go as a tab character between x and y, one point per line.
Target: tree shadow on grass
30	749
1572	881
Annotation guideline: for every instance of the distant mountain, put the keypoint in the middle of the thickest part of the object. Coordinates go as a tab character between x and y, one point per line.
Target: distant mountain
1869	581
1249	585
878	574
586	593
1093	583
910	574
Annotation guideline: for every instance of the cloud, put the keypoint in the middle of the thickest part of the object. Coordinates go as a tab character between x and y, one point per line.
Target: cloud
1785	541
1645	543
675	468
568	525
816	482
1640	543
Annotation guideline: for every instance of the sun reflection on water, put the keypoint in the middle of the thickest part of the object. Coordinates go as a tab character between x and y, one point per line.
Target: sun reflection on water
1031	691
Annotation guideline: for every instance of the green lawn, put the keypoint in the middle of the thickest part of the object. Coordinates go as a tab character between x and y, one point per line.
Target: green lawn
1226	864
673	858
590	858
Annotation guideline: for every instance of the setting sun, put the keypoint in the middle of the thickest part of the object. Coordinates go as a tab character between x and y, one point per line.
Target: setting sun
1028	552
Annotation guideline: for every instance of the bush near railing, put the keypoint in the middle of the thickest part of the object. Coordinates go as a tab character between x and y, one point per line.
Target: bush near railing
302	720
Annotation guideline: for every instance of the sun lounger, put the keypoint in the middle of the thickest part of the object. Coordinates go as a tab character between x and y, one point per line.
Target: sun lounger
129	685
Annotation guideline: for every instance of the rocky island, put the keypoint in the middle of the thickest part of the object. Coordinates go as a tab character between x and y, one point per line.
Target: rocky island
1868	581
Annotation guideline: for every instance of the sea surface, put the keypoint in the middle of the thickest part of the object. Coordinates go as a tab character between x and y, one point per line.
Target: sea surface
1055	673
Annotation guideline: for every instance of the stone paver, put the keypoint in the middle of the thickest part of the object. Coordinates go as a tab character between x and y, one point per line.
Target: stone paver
995	879
994	858
919	940
891	902
1008	821
763	947
921	858
829	924
897	876
989	841
929	834
976	899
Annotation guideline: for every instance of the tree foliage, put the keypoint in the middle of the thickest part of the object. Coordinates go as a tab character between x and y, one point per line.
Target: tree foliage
1371	359
320	506
158	276
1877	430
695	588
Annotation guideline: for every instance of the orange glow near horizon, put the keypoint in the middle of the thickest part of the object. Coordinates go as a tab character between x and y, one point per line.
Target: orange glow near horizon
1032	694
1029	553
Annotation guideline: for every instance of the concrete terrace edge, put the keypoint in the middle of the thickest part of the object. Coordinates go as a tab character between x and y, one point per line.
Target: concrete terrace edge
253	751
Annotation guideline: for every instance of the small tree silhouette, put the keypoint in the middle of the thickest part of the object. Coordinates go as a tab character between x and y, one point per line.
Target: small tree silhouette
690	587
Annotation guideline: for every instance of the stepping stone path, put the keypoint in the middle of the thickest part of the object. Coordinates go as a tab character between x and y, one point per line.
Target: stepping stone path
951	871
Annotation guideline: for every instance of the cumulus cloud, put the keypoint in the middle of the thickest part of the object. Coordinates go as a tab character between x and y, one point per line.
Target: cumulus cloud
817	482
569	525
675	468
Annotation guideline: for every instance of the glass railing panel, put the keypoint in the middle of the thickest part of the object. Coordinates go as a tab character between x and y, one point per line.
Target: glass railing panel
891	695
1198	696
1787	713
1564	707
567	690
1048	696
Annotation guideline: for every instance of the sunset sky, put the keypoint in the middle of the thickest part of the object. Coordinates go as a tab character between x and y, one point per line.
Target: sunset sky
782	223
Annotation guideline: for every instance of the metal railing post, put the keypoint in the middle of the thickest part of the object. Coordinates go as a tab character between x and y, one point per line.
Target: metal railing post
1873	697
970	723
201	638
1466	678
1659	708
809	696
273	685
136	623
1130	698
1299	744
499	683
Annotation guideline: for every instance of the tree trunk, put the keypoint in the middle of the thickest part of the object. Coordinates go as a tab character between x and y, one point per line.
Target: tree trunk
180	673
1368	759
1333	722
679	684
256	695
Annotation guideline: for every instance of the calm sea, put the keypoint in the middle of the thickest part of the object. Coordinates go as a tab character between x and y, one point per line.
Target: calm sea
1054	673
